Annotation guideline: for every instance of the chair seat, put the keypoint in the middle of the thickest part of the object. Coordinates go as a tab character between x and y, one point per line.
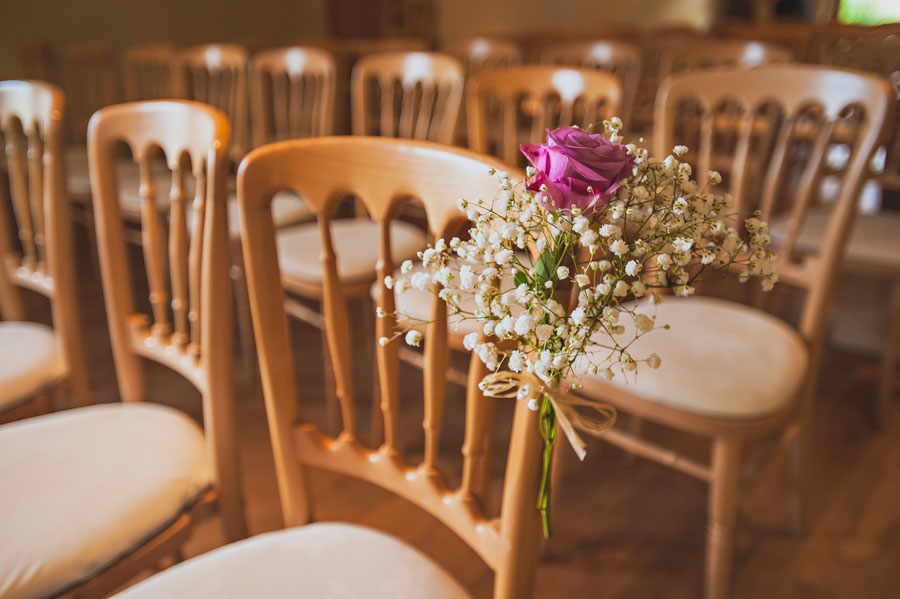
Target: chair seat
874	241
720	359
30	359
318	561
78	179
287	209
355	245
85	486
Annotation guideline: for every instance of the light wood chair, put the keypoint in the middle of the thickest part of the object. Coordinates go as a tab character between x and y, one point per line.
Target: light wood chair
714	53
311	560
621	58
90	83
733	373
873	253
414	95
292	94
138	475
542	96
37	359
147	71
793	36
39	60
216	74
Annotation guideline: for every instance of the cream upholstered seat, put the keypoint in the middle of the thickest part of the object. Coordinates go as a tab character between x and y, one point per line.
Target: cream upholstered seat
78	179
30	359
317	561
83	487
287	209
755	362
355	245
874	240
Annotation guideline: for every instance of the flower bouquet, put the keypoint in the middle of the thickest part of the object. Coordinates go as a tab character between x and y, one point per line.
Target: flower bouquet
554	267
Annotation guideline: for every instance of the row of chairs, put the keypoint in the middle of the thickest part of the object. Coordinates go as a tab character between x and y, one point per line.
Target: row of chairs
189	330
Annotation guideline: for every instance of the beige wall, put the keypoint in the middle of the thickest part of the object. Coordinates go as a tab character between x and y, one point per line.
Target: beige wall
126	22
462	18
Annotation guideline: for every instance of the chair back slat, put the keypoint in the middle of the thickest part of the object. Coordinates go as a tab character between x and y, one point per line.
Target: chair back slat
544	96
622	59
216	74
427	106
811	104
40	256
193	138
485	53
147	70
704	54
384	174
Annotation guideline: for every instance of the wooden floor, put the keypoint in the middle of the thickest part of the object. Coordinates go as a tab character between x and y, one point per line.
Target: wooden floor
624	528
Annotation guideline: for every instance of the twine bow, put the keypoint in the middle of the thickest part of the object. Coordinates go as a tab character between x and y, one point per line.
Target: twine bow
593	418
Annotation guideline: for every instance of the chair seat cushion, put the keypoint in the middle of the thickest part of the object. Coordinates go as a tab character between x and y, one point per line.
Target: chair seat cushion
85	486
287	209
318	561
30	359
78	178
355	246
874	241
719	359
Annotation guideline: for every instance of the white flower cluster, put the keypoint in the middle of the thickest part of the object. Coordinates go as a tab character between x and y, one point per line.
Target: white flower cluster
553	290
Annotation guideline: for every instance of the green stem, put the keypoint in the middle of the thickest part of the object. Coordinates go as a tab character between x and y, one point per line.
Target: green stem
548	432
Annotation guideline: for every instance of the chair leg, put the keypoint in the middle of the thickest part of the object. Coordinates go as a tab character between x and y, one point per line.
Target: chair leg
798	496
332	405
723	495
890	359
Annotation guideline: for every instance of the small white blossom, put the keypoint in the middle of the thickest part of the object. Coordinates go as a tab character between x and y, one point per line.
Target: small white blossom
414	338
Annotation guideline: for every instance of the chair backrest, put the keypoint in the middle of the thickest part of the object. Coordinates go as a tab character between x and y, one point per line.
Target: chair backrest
383	173
89	78
413	95
147	70
717	53
38	60
216	74
621	58
479	53
192	333
543	96
40	257
770	129
292	94
830	40
791	35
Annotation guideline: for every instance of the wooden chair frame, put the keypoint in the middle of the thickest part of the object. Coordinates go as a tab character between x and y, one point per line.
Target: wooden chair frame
32	121
216	74
197	342
794	87
440	78
537	82
384	173
90	83
719	53
147	71
621	58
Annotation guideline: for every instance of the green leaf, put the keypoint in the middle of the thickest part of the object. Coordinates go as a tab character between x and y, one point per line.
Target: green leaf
520	278
545	267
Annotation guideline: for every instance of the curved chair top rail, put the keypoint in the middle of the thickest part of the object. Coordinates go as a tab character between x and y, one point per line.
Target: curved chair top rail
431	115
292	93
485	52
383	173
711	53
829	99
198	345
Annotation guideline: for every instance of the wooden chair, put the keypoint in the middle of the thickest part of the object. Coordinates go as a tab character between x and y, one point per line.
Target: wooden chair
873	252
147	70
414	95
216	74
39	60
713	53
540	96
479	53
316	560
37	359
793	36
90	83
292	94
621	58
730	372
138	475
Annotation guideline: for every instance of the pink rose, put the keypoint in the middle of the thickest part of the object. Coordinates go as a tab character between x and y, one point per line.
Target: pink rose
571	162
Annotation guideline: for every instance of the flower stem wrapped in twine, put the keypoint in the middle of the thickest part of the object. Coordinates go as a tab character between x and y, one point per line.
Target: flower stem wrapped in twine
557	409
